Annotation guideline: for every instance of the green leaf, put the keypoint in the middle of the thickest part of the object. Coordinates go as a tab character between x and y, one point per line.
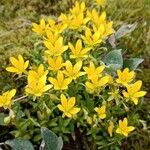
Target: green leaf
125	29
60	143
20	144
52	142
132	63
114	60
2	116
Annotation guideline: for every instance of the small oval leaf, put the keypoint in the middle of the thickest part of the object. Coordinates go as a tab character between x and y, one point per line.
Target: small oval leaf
52	142
133	63
125	29
114	60
20	144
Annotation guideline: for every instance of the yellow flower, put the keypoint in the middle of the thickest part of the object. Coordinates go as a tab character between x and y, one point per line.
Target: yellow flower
123	128
41	28
19	66
37	82
133	92
91	39
55	64
56	26
125	76
38	72
96	83
60	83
68	106
100	2
52	37
96	18
6	98
101	111
108	29
78	21
57	49
74	21
110	128
37	87
66	19
115	94
100	23
92	71
89	120
78	8
73	72
78	51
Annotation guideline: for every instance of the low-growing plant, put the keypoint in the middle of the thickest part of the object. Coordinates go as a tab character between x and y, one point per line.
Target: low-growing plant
76	85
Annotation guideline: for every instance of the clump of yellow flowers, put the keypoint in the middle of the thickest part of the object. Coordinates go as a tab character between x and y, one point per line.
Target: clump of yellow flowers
72	82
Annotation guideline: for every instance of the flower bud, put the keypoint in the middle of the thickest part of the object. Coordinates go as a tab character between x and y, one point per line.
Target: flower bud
48	111
40	115
7	120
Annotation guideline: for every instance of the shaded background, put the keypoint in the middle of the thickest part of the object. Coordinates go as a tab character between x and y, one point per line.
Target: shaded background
16	37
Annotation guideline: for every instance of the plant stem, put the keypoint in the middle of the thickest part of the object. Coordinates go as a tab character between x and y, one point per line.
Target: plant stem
2	143
20	98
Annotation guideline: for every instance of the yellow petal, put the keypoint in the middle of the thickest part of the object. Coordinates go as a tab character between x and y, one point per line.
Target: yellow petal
60	77
60	107
69	67
135	87
103	81
12	69
72	48
64	101
125	122
14	61
74	111
42	23
78	45
66	82
89	85
40	69
130	128
100	69
135	100
125	94
102	116
103	109
26	64
47	87
21	60
139	94
12	93
68	114
77	67
71	102
53	81
96	109
110	128
119	131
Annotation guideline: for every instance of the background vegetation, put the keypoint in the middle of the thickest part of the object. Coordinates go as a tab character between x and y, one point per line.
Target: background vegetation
17	37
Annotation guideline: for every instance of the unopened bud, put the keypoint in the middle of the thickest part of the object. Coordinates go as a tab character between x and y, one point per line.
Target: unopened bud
40	115
48	111
53	97
11	114
126	109
7	120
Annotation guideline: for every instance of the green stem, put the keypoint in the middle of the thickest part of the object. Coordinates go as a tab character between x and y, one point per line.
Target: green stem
20	98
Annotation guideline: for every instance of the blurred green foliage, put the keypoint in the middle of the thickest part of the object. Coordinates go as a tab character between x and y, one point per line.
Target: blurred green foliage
17	37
